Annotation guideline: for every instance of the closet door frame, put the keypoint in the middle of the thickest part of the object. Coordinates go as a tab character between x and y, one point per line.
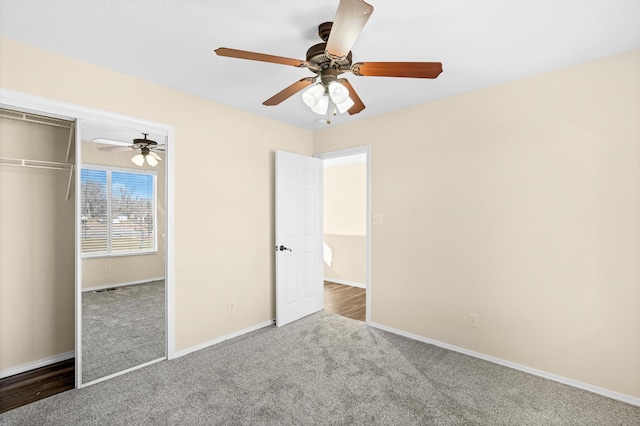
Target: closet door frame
44	106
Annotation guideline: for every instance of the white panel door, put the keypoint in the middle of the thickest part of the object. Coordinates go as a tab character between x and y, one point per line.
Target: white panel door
299	285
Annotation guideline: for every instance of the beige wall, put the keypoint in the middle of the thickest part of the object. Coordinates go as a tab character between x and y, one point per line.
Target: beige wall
345	199
224	186
520	203
125	269
36	248
349	259
345	222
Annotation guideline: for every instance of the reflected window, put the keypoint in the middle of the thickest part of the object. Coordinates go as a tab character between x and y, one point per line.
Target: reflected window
118	211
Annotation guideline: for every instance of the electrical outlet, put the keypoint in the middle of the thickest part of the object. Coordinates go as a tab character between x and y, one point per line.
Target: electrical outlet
378	219
232	307
473	320
107	268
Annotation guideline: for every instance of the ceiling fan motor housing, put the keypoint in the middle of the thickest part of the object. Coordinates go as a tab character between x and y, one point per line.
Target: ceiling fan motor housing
144	142
318	59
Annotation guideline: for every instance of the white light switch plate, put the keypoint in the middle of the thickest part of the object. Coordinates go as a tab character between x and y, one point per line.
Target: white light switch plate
377	218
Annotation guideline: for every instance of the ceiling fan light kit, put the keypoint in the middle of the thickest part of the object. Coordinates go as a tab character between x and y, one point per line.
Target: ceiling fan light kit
145	154
338	92
151	161
146	147
138	159
345	106
321	106
333	57
312	95
318	97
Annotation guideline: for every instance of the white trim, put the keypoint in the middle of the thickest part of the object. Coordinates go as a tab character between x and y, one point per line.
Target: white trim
225	337
345	282
366	149
169	220
349	160
120	373
100	287
68	111
36	364
564	380
78	255
39	105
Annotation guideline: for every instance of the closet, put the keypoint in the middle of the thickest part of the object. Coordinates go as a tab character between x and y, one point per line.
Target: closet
37	241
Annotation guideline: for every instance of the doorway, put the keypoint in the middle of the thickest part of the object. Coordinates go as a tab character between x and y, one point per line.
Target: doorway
346	254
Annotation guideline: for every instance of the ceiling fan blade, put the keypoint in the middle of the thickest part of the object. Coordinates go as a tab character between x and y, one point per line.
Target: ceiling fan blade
358	105
111	142
398	69
350	19
116	148
243	54
289	91
154	155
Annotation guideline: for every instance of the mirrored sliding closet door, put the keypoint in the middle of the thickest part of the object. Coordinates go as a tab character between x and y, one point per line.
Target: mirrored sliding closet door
122	225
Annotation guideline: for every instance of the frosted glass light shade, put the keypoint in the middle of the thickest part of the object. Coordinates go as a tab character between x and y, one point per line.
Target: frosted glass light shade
138	159
322	105
338	92
312	95
151	161
345	105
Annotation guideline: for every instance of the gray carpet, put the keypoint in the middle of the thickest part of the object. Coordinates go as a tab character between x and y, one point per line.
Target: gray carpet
325	370
122	328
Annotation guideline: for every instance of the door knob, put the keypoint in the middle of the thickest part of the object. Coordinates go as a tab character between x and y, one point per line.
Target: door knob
283	248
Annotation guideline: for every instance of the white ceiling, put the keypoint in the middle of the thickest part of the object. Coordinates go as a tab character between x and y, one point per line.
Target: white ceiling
171	42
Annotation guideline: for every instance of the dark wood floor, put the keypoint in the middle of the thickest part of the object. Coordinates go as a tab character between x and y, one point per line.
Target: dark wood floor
30	386
345	300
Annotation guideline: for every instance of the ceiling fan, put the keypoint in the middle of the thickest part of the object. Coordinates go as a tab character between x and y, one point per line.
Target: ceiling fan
331	58
146	147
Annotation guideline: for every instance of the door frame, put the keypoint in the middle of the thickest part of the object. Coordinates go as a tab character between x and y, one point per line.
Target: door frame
45	106
365	149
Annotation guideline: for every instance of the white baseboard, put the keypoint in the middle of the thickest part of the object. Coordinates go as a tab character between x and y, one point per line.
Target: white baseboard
344	282
36	364
223	338
576	384
102	287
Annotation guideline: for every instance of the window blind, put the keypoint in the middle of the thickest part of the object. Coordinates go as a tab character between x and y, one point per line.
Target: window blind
118	212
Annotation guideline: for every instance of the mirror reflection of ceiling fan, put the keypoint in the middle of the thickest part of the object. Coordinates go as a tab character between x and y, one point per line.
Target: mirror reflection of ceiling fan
331	58
146	147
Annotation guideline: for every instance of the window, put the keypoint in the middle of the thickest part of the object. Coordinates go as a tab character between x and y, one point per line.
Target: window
118	211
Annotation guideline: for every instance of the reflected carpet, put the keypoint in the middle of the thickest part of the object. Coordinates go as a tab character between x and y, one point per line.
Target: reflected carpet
122	328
